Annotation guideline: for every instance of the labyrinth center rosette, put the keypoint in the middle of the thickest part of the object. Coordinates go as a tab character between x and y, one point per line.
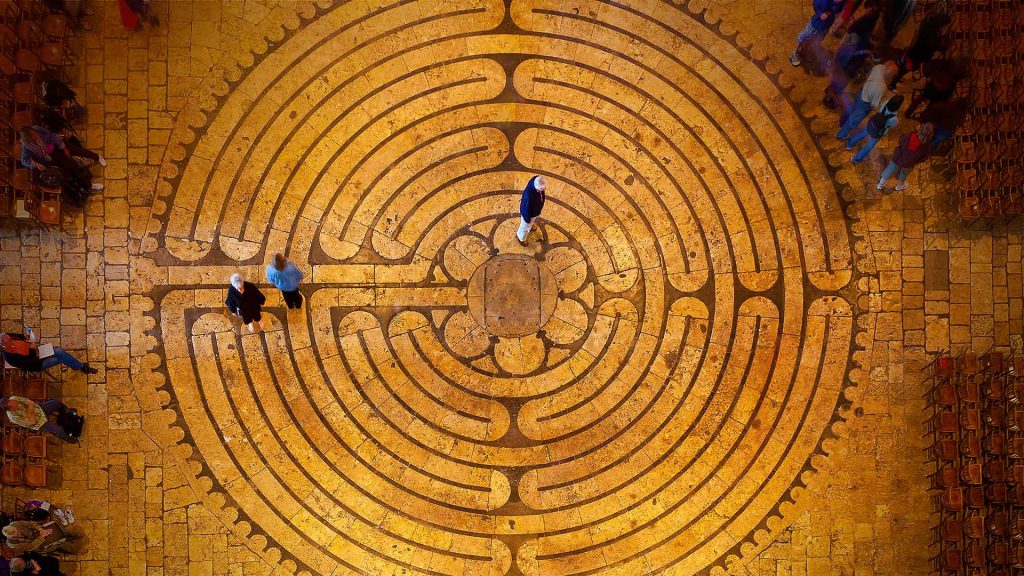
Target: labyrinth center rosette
638	391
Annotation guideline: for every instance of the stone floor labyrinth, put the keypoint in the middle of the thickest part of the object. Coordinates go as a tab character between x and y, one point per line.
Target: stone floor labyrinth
639	390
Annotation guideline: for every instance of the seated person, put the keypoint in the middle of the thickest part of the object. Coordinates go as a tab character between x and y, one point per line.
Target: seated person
28	536
27	414
41	148
22	353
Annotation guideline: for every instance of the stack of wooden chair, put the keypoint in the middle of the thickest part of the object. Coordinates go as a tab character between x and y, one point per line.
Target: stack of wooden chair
987	156
977	429
35	45
29	458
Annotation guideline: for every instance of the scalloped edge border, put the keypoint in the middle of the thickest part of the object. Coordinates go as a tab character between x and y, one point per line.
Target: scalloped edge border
225	76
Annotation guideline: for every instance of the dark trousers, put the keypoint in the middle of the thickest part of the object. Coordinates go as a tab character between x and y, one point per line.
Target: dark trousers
292	299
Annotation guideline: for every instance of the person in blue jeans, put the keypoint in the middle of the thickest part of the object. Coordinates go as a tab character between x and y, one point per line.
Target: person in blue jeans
869	98
22	353
285	276
878	126
825	12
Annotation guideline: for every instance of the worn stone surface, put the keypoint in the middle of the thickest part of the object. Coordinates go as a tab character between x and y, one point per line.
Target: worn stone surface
725	375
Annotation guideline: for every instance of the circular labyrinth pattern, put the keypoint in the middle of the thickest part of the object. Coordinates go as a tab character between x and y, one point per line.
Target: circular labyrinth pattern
669	392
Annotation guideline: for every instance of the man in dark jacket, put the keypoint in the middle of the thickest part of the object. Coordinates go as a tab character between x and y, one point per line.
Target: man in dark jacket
245	301
530	206
825	12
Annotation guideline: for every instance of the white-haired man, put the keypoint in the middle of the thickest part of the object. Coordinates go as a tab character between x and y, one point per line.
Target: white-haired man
245	301
530	206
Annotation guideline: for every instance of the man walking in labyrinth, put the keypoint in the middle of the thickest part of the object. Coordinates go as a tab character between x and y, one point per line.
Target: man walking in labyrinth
530	206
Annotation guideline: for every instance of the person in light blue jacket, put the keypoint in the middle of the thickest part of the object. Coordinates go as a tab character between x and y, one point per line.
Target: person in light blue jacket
285	276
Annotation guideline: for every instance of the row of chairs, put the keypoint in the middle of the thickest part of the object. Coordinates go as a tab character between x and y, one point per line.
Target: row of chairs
977	431
35	44
988	187
28	458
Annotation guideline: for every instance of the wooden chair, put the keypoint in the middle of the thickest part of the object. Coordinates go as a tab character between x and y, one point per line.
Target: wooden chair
35	447
11	473
13	443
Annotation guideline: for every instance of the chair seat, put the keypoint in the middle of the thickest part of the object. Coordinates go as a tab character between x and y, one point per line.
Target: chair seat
22	179
35	446
13	444
26	60
49	212
11	474
35	475
24	93
52	54
55	25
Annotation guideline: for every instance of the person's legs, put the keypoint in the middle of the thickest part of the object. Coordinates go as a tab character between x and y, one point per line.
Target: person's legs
887	173
524	228
853	120
806	34
902	179
75	150
56	430
870	145
292	299
860	135
62	357
51	406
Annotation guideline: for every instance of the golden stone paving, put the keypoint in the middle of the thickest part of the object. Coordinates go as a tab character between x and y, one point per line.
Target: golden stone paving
705	361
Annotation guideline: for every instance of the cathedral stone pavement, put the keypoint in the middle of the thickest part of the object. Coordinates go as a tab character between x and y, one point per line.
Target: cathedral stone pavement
705	361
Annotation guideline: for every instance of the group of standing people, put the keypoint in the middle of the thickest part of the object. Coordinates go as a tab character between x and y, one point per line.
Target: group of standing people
873	110
245	300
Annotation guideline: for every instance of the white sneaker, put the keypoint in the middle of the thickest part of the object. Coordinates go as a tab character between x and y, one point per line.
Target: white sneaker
59	515
69	515
97	187
102	161
903	186
880	186
794	59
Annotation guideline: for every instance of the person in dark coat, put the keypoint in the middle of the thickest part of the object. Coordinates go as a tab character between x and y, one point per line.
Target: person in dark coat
245	301
35	564
914	148
941	77
930	40
947	117
530	206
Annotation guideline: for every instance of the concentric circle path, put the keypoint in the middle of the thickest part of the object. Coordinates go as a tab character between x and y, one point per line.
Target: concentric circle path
686	350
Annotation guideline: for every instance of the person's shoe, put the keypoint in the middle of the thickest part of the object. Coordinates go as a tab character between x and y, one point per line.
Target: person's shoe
59	515
96	187
855	161
880	186
522	243
89	369
903	186
69	515
102	161
794	59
